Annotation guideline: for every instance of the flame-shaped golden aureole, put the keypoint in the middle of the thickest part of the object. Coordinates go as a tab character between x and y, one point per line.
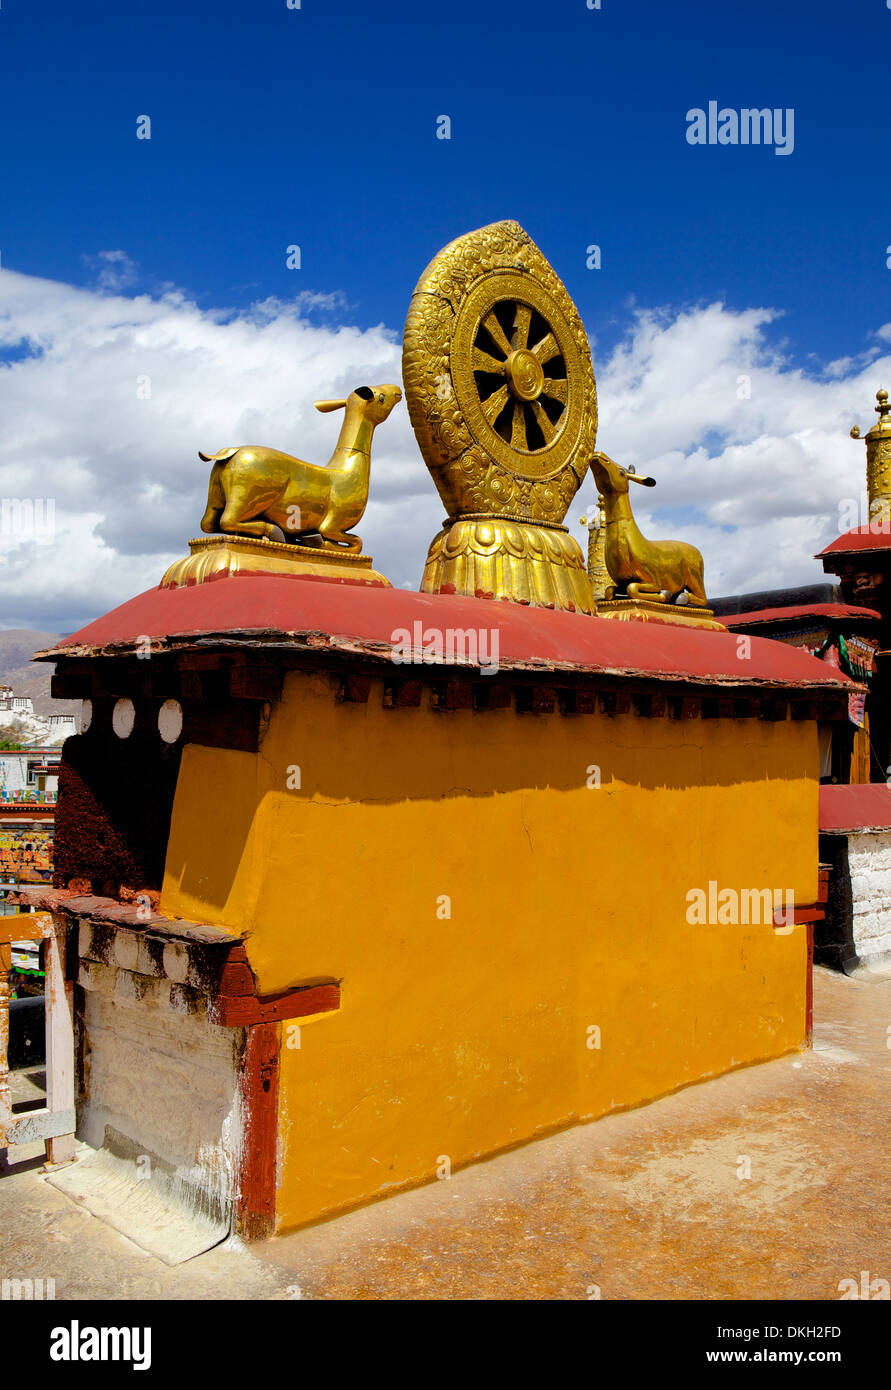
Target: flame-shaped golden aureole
501	394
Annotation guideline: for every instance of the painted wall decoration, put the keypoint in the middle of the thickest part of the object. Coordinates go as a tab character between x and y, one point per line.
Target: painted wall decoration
26	853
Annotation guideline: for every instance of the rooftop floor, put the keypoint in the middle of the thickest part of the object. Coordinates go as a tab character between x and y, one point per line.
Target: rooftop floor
647	1204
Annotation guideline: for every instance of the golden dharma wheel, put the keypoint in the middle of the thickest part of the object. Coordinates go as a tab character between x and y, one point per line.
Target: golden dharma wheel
513	354
498	379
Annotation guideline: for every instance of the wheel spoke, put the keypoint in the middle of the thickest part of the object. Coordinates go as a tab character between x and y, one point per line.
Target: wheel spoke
522	321
493	407
483	362
544	424
496	332
546	349
518	427
559	390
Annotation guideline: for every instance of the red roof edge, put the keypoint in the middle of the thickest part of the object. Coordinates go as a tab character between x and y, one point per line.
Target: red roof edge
862	806
797	613
875	536
395	626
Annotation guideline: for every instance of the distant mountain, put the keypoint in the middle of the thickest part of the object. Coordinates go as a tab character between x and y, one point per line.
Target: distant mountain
32	679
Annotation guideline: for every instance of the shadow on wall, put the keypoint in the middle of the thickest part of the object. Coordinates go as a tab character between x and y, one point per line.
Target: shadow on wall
834	937
328	755
113	816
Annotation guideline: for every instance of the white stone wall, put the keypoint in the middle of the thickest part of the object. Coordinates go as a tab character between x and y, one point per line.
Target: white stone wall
160	1081
62	724
869	862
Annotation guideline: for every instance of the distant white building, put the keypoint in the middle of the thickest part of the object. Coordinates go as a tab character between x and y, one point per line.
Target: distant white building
62	725
10	701
17	713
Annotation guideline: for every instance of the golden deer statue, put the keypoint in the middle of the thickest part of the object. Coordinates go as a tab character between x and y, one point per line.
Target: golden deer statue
656	570
254	491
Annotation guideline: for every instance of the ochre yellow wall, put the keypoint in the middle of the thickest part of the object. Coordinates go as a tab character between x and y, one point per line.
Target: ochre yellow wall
568	911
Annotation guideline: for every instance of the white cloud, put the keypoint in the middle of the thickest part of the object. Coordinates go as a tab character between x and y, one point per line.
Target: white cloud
752	455
115	270
756	482
129	488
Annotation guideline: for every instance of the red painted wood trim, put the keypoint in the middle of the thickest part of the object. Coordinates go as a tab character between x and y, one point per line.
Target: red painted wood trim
404	695
456	695
256	1185
355	689
237	979
494	696
800	915
246	1010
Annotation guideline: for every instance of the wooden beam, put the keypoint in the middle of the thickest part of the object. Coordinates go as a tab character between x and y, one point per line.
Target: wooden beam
354	690
454	695
403	694
250	682
242	1011
258	1085
492	695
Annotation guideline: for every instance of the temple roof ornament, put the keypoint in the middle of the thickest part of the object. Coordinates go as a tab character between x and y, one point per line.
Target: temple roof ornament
878	457
598	574
847	553
271	513
501	394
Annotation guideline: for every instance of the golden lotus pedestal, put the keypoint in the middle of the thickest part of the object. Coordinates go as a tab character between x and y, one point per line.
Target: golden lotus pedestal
490	557
638	610
219	557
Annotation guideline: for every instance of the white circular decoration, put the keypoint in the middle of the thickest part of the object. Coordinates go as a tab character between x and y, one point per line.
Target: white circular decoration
86	715
123	718
170	721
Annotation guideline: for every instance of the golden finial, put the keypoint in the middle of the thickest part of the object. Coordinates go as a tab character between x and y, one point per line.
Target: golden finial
882	409
878	456
598	573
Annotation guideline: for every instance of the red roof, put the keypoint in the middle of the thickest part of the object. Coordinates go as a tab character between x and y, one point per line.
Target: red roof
799	612
861	806
861	538
334	617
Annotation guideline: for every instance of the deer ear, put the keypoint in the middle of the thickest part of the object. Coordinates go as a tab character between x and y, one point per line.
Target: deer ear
326	406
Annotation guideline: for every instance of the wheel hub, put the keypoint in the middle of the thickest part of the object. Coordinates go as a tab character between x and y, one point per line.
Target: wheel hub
525	375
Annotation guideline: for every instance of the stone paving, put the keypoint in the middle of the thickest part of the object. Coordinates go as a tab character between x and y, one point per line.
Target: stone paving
770	1182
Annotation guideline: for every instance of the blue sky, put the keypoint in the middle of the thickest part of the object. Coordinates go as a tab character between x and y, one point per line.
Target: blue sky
316	126
123	259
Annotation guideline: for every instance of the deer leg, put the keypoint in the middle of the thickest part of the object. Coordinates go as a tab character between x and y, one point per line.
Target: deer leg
644	590
696	589
341	538
216	501
231	522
